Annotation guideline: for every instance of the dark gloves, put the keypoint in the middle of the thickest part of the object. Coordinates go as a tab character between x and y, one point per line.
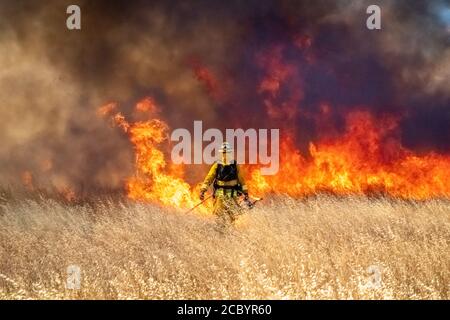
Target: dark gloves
246	196
202	195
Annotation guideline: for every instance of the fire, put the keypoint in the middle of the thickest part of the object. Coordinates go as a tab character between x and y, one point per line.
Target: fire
148	104
356	163
366	159
154	180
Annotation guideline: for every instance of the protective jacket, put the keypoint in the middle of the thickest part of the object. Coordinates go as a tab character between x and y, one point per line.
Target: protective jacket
225	178
228	184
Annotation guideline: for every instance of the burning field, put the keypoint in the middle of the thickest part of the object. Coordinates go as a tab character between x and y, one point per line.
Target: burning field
359	207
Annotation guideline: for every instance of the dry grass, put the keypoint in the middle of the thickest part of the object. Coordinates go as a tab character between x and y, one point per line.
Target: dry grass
319	248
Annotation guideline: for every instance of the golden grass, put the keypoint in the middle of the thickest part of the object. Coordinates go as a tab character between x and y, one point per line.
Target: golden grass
317	248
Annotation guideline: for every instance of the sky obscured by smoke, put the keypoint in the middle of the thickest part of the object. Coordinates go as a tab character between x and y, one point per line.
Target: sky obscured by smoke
52	80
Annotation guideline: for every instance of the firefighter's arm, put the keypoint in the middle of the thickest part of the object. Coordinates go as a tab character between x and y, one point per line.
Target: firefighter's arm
209	178
242	180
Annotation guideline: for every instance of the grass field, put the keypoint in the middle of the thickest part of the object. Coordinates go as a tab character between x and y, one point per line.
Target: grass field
322	247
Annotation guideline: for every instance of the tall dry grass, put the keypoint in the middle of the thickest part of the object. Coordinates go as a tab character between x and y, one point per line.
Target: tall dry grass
318	248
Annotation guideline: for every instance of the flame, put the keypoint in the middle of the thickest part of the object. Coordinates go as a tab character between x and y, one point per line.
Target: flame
154	180
147	104
151	181
367	158
356	163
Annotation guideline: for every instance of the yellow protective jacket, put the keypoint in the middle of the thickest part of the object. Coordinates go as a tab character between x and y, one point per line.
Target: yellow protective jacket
212	174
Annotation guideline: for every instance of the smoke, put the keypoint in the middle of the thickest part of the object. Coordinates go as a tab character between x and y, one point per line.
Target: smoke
210	60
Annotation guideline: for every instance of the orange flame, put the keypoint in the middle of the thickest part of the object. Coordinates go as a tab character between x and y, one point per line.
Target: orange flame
154	180
367	158
147	104
354	163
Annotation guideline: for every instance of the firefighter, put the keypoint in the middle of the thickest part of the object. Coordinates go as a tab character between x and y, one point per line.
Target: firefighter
228	184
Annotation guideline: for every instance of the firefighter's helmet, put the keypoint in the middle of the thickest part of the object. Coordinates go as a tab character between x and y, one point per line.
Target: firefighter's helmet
225	148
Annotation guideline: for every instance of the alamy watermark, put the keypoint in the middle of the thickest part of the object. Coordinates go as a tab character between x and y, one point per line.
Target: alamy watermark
374	281
73	280
373	22
73	21
249	146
